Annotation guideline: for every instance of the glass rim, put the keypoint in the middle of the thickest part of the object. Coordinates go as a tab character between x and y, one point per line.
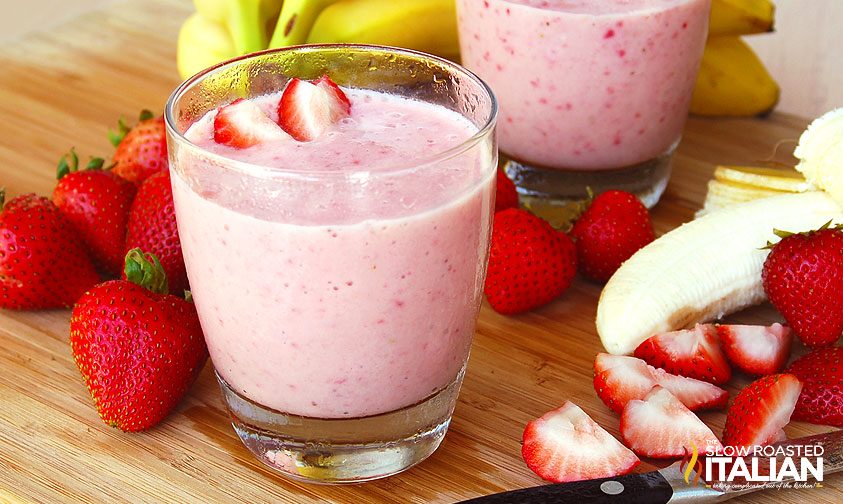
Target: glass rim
259	170
593	15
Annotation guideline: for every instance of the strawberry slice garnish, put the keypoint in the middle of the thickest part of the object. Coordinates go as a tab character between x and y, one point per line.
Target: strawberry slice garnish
660	426
619	379
242	124
694	353
567	445
761	411
307	109
756	350
821	374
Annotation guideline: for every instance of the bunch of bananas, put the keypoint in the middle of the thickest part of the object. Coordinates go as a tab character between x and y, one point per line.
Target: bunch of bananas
732	80
223	29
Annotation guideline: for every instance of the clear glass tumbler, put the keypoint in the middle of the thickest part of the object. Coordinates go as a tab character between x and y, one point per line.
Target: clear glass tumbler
338	306
592	93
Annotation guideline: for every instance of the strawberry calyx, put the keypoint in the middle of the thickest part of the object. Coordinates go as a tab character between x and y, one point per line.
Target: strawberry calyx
116	136
70	163
787	234
2	197
146	270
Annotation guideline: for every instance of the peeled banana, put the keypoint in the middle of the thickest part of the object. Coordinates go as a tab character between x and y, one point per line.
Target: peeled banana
820	153
732	81
740	17
702	270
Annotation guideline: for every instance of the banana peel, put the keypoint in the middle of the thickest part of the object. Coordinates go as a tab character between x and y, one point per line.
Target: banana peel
740	17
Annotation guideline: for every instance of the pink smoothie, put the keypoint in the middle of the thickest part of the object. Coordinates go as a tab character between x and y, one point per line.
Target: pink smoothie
351	287
586	84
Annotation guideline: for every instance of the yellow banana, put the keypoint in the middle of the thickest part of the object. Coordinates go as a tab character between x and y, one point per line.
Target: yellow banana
296	19
732	81
740	17
423	25
202	43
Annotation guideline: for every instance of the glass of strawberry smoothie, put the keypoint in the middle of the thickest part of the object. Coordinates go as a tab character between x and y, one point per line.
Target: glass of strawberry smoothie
335	226
592	93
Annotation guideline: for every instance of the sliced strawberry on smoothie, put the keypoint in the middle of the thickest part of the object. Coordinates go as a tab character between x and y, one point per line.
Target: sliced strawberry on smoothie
307	109
567	445
694	353
660	426
756	350
242	124
619	379
761	410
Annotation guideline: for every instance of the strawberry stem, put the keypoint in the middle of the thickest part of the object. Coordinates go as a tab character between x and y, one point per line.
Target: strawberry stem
66	166
145	115
2	197
115	137
146	270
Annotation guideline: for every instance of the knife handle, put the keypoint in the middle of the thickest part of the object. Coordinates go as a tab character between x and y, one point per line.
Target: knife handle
648	488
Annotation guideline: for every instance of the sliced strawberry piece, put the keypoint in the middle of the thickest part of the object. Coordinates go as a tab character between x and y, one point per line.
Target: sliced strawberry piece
567	445
661	426
694	353
619	379
761	410
756	350
242	124
307	109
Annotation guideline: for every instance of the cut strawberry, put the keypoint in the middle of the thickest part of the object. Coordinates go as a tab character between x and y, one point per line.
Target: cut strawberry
694	353
619	379
756	350
307	109
661	426
761	411
567	445
242	124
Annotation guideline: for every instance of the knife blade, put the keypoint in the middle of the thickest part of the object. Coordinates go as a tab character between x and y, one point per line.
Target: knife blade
664	486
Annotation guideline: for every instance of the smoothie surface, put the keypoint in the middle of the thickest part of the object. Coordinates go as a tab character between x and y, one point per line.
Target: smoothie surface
601	7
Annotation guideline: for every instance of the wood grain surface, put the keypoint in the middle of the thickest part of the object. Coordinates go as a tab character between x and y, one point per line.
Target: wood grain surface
65	88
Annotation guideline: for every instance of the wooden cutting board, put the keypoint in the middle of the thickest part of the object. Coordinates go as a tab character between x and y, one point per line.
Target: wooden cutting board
65	88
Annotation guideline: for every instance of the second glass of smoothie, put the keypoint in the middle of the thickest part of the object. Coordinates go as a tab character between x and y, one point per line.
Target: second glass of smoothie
338	280
592	93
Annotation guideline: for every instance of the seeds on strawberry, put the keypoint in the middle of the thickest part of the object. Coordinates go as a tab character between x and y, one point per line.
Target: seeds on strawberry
42	262
307	109
821	374
612	228
694	353
530	263
138	348
506	196
567	445
619	379
803	278
242	124
660	426
761	410
756	350
141	150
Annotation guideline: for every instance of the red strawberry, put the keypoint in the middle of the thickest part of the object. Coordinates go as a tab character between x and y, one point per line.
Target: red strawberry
141	150
694	353
96	202
42	263
803	278
660	426
307	109
756	350
506	196
619	379
242	124
567	445
138	348
615	226
761	410
821	374
530	263
152	227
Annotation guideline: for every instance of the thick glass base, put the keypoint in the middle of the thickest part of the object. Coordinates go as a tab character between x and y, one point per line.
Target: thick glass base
541	187
342	450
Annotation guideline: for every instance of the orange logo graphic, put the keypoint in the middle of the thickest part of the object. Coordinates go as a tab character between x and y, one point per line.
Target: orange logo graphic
691	462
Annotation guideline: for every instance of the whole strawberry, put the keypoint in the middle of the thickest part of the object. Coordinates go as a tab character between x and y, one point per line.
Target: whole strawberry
141	150
42	263
138	348
803	278
821	374
613	227
96	202
152	227
506	196
530	263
